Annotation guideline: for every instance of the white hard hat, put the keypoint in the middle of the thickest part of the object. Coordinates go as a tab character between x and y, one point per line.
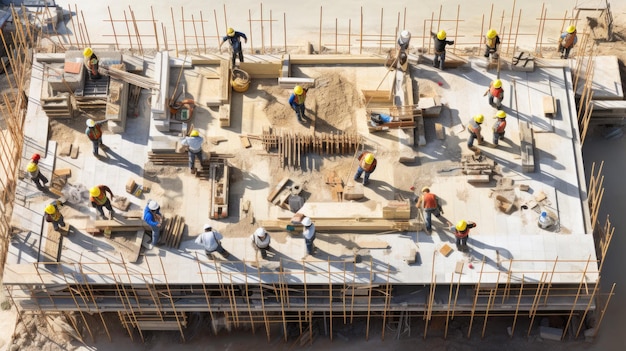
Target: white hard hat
405	34
306	221
153	205
259	232
90	123
207	226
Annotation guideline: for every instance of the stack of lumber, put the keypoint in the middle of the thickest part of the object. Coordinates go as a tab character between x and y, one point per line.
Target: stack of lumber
172	231
336	186
58	106
134	79
397	210
121	225
59	179
346	225
177	159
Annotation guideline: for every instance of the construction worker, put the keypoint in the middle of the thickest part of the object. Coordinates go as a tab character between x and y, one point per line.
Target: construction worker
99	199
261	241
461	231
152	216
367	164
308	231
296	101
499	126
91	62
235	43
53	214
404	39
440	48
474	129
492	40
210	240
567	41
35	175
431	205
94	133
193	142
496	93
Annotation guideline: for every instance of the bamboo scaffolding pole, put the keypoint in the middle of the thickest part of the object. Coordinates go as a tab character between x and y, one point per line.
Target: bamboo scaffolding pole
153	294
387	302
117	45
380	45
85	25
203	33
172	303
182	20
262	31
250	25
587	308
449	309
283	289
125	303
206	294
603	311
174	28
137	35
154	28
74	27
130	39
361	34
75	291
545	300
165	43
285	31
519	300
492	297
195	33
469	329
336	38
532	312
431	292
330	302
319	43
580	287
369	300
93	300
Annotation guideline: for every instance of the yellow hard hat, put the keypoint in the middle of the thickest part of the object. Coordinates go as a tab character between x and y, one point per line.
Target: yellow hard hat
479	118
461	225
91	123
31	167
425	189
230	32
497	83
492	33
95	191
369	159
298	90
501	114
194	133
571	29
87	52
50	209
441	35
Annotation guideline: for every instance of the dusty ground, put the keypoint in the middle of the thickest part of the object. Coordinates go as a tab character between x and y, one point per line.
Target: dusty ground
40	336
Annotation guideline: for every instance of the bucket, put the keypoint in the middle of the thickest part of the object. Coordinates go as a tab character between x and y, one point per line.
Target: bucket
240	80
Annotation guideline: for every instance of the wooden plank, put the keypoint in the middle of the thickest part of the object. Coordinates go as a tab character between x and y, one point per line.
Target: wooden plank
549	106
74	152
224	115
225	81
375	244
527	147
245	142
458	269
445	250
63	172
291	82
65	149
377	95
265	70
119	222
349	225
277	189
439	131
337	59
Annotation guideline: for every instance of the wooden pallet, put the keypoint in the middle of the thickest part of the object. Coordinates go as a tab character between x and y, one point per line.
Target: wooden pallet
172	231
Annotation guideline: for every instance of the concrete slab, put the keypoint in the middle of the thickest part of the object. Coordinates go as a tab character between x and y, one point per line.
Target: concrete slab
607	84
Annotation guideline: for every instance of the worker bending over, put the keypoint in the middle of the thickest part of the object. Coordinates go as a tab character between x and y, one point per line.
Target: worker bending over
296	101
99	199
367	165
194	147
210	240
496	93
440	48
91	62
461	232
261	241
234	38
53	214
567	41
432	206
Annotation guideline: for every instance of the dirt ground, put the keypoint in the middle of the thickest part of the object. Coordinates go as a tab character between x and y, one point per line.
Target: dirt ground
45	335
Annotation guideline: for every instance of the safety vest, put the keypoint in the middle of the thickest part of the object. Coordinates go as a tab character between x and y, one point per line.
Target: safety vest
474	127
462	234
94	133
499	126
492	42
100	199
430	200
495	92
367	167
299	99
568	41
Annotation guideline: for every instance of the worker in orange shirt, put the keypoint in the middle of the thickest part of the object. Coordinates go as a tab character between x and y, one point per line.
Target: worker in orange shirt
367	164
99	199
499	126
567	41
432	206
496	93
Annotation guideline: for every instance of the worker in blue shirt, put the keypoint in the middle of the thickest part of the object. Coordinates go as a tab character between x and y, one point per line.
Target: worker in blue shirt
235	42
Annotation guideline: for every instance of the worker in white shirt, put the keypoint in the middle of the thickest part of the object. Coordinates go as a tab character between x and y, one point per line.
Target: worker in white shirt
308	231
261	241
210	240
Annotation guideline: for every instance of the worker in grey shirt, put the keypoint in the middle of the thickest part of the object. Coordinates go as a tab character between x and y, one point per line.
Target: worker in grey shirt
193	142
210	239
308	232
261	241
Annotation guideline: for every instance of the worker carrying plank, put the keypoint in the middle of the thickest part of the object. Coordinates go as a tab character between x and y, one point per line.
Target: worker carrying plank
492	40
210	240
367	165
94	133
53	214
296	101
440	48
474	130
432	205
567	40
152	216
91	62
193	142
499	126
261	241
461	231
234	38
496	93
99	199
